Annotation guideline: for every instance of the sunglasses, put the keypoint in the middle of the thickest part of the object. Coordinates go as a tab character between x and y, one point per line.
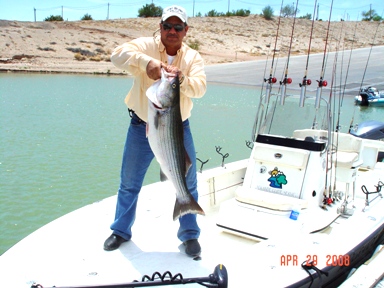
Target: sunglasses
169	26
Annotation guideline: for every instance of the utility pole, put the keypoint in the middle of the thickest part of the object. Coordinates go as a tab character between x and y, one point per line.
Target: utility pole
108	12
317	12
34	12
370	12
62	8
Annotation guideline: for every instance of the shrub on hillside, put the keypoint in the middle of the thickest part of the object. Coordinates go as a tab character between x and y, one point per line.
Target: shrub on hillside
150	10
54	18
267	12
86	17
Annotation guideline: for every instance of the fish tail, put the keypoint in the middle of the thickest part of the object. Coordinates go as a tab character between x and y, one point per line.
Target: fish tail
190	206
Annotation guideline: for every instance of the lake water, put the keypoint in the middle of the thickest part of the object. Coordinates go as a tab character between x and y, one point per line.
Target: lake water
62	136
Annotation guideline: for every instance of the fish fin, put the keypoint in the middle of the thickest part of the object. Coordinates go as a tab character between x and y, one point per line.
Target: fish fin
186	207
188	163
163	177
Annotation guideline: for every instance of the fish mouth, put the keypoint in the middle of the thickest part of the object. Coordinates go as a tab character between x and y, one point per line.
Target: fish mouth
157	107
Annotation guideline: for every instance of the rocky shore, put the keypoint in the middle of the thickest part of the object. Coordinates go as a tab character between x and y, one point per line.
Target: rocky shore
85	46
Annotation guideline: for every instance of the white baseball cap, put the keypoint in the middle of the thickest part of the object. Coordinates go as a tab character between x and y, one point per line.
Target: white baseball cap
175	11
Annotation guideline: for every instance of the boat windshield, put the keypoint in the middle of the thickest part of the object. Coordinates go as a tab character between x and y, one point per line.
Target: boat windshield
284	119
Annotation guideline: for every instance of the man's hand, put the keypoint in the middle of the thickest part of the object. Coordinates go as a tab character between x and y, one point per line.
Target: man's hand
174	70
154	69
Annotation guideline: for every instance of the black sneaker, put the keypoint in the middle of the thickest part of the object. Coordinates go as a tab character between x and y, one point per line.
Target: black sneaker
192	247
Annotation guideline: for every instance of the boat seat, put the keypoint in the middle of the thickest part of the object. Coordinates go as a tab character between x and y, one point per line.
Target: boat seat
349	150
348	158
370	152
269	200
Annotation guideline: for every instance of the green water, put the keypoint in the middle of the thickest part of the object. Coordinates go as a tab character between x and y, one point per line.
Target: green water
61	140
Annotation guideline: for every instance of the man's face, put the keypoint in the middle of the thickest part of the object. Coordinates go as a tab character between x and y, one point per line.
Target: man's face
172	31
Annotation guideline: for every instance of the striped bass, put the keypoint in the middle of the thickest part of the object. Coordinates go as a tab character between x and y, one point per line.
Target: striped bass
165	134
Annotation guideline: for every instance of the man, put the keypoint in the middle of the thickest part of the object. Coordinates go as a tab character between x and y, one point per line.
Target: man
143	58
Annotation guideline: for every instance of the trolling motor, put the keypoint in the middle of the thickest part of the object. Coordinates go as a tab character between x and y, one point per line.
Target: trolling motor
218	279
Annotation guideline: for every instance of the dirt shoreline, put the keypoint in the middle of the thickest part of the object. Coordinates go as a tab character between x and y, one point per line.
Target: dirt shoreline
85	46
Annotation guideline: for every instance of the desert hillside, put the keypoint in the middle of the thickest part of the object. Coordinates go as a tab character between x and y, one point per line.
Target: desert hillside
85	46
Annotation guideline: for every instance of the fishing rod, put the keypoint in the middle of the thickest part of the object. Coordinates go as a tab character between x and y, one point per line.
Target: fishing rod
321	82
256	122
306	81
349	62
336	135
287	80
218	279
341	76
271	80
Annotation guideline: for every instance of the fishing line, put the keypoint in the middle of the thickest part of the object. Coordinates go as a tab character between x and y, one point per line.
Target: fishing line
255	123
341	76
322	83
365	70
286	80
306	81
271	80
349	63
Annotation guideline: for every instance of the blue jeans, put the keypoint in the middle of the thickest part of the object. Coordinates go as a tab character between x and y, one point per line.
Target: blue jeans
137	157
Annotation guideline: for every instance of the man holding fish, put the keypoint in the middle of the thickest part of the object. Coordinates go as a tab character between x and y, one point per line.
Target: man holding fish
167	74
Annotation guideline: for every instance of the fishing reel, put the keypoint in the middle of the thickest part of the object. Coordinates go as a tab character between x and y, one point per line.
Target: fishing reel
286	81
270	80
305	82
322	83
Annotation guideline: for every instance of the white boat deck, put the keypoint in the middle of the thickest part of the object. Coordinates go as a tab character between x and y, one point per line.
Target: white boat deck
69	251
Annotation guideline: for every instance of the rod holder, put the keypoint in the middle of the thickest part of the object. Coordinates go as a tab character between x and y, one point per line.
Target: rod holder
302	96
283	94
318	97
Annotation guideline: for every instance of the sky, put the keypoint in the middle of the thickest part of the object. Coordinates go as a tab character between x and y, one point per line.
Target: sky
73	10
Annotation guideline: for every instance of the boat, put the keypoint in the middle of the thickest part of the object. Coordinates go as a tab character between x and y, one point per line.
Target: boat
302	211
369	96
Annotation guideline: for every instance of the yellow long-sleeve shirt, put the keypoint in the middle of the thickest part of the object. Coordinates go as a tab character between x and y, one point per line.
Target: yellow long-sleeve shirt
134	57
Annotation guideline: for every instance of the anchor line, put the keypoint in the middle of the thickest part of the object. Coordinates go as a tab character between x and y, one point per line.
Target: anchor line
365	70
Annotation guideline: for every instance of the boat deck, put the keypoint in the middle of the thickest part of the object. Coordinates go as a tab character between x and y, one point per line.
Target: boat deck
69	251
